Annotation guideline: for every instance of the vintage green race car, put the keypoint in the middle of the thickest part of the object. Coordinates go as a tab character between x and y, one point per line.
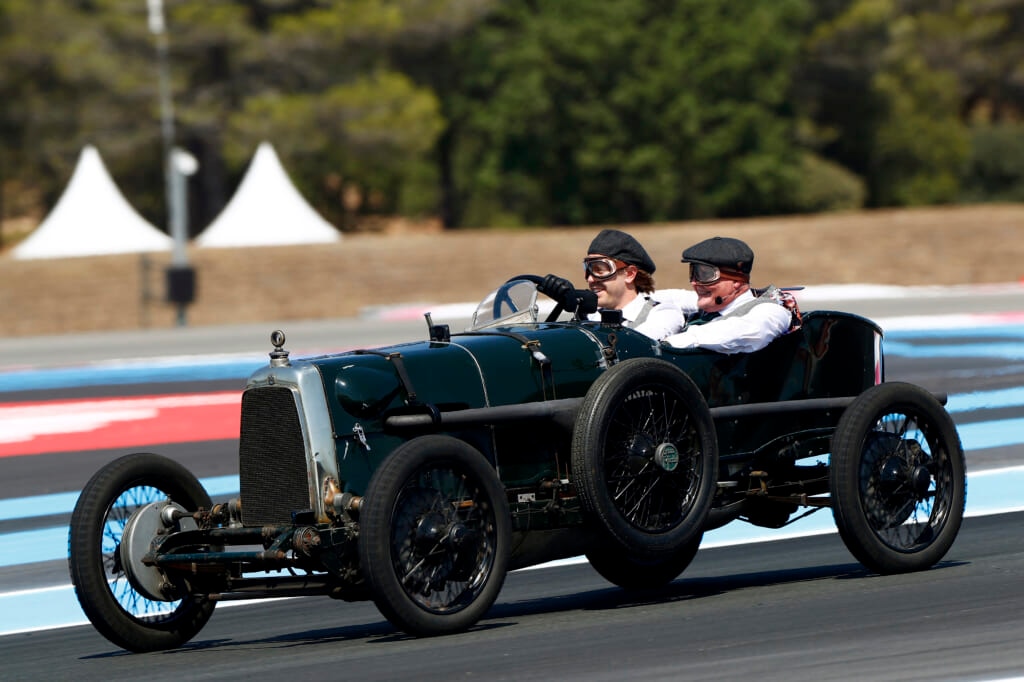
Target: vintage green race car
417	475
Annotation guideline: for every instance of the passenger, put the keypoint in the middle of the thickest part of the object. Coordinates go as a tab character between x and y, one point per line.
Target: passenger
620	273
722	313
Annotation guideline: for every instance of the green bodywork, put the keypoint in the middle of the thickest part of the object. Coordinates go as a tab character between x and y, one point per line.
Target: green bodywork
832	355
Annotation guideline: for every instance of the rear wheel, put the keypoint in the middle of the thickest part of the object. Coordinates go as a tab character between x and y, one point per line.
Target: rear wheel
631	573
645	457
434	536
898	479
122	501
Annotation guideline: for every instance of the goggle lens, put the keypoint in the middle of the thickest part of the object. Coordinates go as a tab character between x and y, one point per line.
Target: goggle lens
703	273
600	268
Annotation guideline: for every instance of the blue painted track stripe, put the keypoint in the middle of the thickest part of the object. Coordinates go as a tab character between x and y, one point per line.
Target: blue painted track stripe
139	373
985	400
64	503
962	332
991	434
40	505
42	609
1011	350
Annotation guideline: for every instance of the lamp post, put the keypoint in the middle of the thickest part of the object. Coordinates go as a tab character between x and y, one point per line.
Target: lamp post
181	277
159	31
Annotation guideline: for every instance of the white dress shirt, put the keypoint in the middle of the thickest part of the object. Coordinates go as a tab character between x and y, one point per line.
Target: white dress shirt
663	319
748	331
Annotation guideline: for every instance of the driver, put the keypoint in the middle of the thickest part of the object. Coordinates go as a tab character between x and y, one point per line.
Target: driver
619	272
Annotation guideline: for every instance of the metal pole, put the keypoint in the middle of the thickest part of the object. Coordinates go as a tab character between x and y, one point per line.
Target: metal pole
174	180
158	29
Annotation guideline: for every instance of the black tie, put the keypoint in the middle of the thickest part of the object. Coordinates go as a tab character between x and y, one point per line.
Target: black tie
700	317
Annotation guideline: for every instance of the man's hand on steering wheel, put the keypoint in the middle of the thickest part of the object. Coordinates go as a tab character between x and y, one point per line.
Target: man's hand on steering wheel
560	290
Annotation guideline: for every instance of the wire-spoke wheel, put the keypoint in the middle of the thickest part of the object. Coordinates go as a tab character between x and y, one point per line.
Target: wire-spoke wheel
645	457
434	536
898	478
109	505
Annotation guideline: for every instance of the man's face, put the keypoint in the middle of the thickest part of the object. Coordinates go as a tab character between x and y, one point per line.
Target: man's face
616	291
715	289
712	298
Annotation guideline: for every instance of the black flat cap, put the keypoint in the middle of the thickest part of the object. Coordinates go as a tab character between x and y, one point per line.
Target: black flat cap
725	252
621	246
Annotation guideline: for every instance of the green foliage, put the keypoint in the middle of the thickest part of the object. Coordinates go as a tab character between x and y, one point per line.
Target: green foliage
920	145
62	86
826	186
995	171
313	78
522	112
894	84
372	134
576	112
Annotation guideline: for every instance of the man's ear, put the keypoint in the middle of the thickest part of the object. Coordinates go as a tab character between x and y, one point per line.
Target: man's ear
631	271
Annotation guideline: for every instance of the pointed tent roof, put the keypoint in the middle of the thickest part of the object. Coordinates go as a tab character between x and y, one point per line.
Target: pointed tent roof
91	218
267	210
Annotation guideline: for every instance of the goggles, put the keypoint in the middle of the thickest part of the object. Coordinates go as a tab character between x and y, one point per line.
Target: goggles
602	268
707	274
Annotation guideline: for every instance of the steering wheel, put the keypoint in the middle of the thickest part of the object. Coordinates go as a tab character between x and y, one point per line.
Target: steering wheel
582	303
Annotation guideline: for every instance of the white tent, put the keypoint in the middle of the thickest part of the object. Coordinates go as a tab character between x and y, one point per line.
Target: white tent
267	210
92	218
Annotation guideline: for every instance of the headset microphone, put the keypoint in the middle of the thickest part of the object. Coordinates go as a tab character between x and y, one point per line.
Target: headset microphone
719	300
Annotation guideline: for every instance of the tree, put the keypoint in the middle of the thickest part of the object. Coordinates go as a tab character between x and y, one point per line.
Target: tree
575	112
64	83
313	77
524	112
888	83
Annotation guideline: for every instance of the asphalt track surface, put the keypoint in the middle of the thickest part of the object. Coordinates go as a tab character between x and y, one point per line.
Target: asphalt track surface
797	608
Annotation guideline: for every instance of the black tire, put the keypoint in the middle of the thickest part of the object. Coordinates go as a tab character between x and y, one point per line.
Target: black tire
116	609
631	573
434	536
898	479
645	457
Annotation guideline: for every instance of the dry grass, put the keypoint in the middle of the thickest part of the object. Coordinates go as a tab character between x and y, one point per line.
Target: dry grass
957	245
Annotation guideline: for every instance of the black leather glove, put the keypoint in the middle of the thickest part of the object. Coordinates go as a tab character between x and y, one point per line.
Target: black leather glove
560	290
586	302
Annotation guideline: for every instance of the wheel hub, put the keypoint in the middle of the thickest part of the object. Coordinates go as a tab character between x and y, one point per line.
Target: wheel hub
893	473
896	474
429	532
460	535
640	452
920	479
667	456
140	530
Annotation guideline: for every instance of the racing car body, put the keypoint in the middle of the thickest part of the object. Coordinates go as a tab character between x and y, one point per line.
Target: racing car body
417	475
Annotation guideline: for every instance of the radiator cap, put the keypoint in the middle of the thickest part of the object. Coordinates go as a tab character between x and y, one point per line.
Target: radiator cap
278	356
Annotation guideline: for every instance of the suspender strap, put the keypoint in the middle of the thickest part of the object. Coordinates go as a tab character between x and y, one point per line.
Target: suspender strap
644	312
765	297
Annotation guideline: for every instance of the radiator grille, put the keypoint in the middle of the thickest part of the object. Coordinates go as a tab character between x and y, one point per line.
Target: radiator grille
271	458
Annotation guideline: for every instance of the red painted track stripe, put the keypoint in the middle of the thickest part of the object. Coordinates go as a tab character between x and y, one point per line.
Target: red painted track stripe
112	423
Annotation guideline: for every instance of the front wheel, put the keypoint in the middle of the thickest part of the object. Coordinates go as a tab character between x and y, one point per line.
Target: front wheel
434	536
898	479
110	506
